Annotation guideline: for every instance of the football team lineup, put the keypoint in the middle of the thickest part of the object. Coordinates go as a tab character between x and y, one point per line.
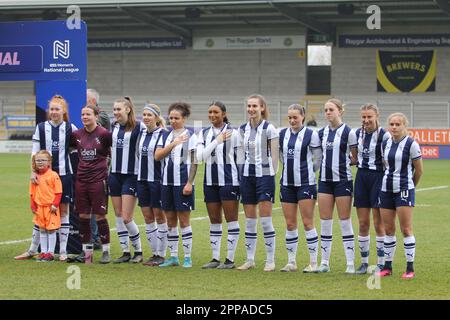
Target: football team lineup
242	151
143	163
431	213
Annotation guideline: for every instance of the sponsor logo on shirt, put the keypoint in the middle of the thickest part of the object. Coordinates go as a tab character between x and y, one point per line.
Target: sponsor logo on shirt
144	151
366	153
88	154
290	153
55	146
122	143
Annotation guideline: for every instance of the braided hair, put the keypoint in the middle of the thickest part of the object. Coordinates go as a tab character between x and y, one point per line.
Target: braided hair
374	108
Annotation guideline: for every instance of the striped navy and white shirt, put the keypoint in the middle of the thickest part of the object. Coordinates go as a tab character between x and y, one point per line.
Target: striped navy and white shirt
297	157
220	166
398	158
55	139
124	158
178	163
369	148
256	144
149	168
336	146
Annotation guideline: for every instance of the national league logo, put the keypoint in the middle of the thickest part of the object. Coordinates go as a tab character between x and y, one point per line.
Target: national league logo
61	49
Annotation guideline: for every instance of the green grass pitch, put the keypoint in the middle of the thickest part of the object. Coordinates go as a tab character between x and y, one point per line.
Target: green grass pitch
31	280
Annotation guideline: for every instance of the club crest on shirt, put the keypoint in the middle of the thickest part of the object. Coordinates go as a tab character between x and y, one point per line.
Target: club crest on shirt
329	145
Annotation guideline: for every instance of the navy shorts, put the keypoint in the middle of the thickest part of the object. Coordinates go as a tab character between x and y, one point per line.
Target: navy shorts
221	193
149	194
120	184
172	199
91	197
391	200
67	188
367	188
257	189
292	194
337	189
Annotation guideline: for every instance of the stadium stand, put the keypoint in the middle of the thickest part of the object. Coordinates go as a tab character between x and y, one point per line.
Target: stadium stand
423	112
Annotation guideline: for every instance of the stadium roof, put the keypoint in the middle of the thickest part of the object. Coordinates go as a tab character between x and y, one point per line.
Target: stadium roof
183	17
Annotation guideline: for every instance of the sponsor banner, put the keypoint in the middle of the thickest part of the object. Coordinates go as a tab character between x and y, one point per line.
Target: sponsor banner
21	122
444	152
406	71
60	52
136	44
249	42
435	152
431	136
19	146
434	143
20	58
394	40
62	67
430	152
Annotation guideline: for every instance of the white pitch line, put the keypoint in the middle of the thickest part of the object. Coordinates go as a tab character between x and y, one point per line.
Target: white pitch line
112	229
432	188
14	241
205	217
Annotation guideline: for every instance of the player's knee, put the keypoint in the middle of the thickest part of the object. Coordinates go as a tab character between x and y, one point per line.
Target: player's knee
363	228
291	226
308	225
215	220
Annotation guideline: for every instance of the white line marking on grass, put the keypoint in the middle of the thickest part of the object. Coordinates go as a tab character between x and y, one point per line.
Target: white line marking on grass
199	218
431	188
114	229
14	241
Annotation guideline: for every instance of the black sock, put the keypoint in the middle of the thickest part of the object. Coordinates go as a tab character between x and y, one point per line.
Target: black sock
388	265
410	267
103	231
85	230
